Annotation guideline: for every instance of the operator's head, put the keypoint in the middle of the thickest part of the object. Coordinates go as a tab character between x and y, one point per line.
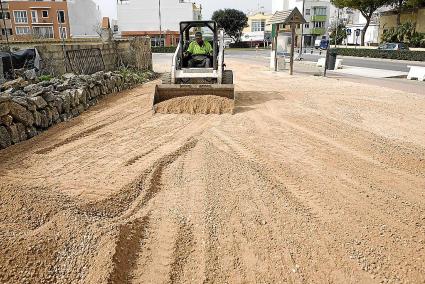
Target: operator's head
198	37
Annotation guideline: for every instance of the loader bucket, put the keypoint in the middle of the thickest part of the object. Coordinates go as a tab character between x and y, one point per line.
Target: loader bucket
194	98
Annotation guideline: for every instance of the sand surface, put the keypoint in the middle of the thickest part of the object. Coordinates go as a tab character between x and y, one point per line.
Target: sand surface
312	180
206	104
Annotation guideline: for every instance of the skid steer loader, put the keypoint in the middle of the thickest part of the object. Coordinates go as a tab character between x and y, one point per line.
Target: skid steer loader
185	81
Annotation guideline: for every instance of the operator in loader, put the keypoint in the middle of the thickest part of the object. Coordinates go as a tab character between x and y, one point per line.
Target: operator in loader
199	52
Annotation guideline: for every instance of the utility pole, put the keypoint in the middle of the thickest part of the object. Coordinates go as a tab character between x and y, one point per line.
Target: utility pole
302	33
160	22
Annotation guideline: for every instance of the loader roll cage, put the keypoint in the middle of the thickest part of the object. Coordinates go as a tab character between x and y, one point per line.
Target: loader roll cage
185	38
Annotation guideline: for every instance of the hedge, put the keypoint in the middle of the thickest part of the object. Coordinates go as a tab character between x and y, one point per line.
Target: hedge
376	53
163	49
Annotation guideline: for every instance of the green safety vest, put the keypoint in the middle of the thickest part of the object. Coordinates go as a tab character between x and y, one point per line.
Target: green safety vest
196	49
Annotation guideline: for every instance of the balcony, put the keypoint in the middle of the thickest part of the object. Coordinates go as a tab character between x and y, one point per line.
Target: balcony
317	18
318	31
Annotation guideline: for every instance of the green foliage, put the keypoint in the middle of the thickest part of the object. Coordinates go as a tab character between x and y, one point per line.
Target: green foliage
342	34
405	33
366	7
163	49
45	77
415	3
232	21
376	53
135	75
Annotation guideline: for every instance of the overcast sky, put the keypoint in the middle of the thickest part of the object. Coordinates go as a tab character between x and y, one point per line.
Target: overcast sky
209	6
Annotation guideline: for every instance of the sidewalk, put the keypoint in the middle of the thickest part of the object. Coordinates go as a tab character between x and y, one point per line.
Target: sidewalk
369	72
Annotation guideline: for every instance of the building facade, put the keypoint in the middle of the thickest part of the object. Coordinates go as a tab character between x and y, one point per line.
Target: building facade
142	18
27	20
321	16
257	32
317	13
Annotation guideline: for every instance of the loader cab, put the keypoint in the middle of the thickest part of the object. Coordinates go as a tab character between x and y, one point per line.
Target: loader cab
187	31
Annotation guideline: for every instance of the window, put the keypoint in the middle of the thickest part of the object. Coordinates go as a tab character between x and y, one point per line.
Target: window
6	15
320	11
319	24
22	30
45	14
9	32
20	17
258	25
156	41
307	25
61	17
307	12
62	33
43	32
34	16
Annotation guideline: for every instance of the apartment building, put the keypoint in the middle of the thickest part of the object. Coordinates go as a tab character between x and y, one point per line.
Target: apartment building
257	31
23	20
142	18
317	13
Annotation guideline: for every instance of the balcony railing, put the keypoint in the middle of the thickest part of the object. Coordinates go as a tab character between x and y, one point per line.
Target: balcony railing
318	18
318	31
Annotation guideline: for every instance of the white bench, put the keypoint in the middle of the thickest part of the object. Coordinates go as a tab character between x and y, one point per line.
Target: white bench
322	61
338	64
417	72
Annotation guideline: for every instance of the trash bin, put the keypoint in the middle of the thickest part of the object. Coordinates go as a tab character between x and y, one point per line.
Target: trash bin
331	61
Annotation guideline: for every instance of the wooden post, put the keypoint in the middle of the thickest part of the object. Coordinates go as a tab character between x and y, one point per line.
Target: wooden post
291	68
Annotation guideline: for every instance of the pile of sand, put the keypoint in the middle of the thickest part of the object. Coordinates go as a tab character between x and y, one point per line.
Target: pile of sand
197	105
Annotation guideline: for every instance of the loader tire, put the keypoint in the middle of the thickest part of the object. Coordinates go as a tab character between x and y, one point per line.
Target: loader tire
227	77
166	78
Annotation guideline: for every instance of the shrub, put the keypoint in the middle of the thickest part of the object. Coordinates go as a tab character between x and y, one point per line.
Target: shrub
163	49
405	33
45	77
376	53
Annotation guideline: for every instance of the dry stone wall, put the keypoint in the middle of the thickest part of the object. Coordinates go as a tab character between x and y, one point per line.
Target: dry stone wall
134	52
26	108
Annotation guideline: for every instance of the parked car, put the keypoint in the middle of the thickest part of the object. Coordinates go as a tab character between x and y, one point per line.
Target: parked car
321	43
393	46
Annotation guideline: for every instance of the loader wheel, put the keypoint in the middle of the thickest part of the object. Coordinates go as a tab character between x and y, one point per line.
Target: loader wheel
227	77
166	78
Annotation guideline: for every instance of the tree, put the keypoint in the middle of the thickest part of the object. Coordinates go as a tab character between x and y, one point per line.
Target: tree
232	21
366	8
340	36
399	5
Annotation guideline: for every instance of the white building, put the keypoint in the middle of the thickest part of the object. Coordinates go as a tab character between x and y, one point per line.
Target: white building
321	15
84	18
141	17
257	32
354	20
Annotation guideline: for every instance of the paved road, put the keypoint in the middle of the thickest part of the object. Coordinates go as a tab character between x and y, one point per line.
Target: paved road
261	60
349	61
